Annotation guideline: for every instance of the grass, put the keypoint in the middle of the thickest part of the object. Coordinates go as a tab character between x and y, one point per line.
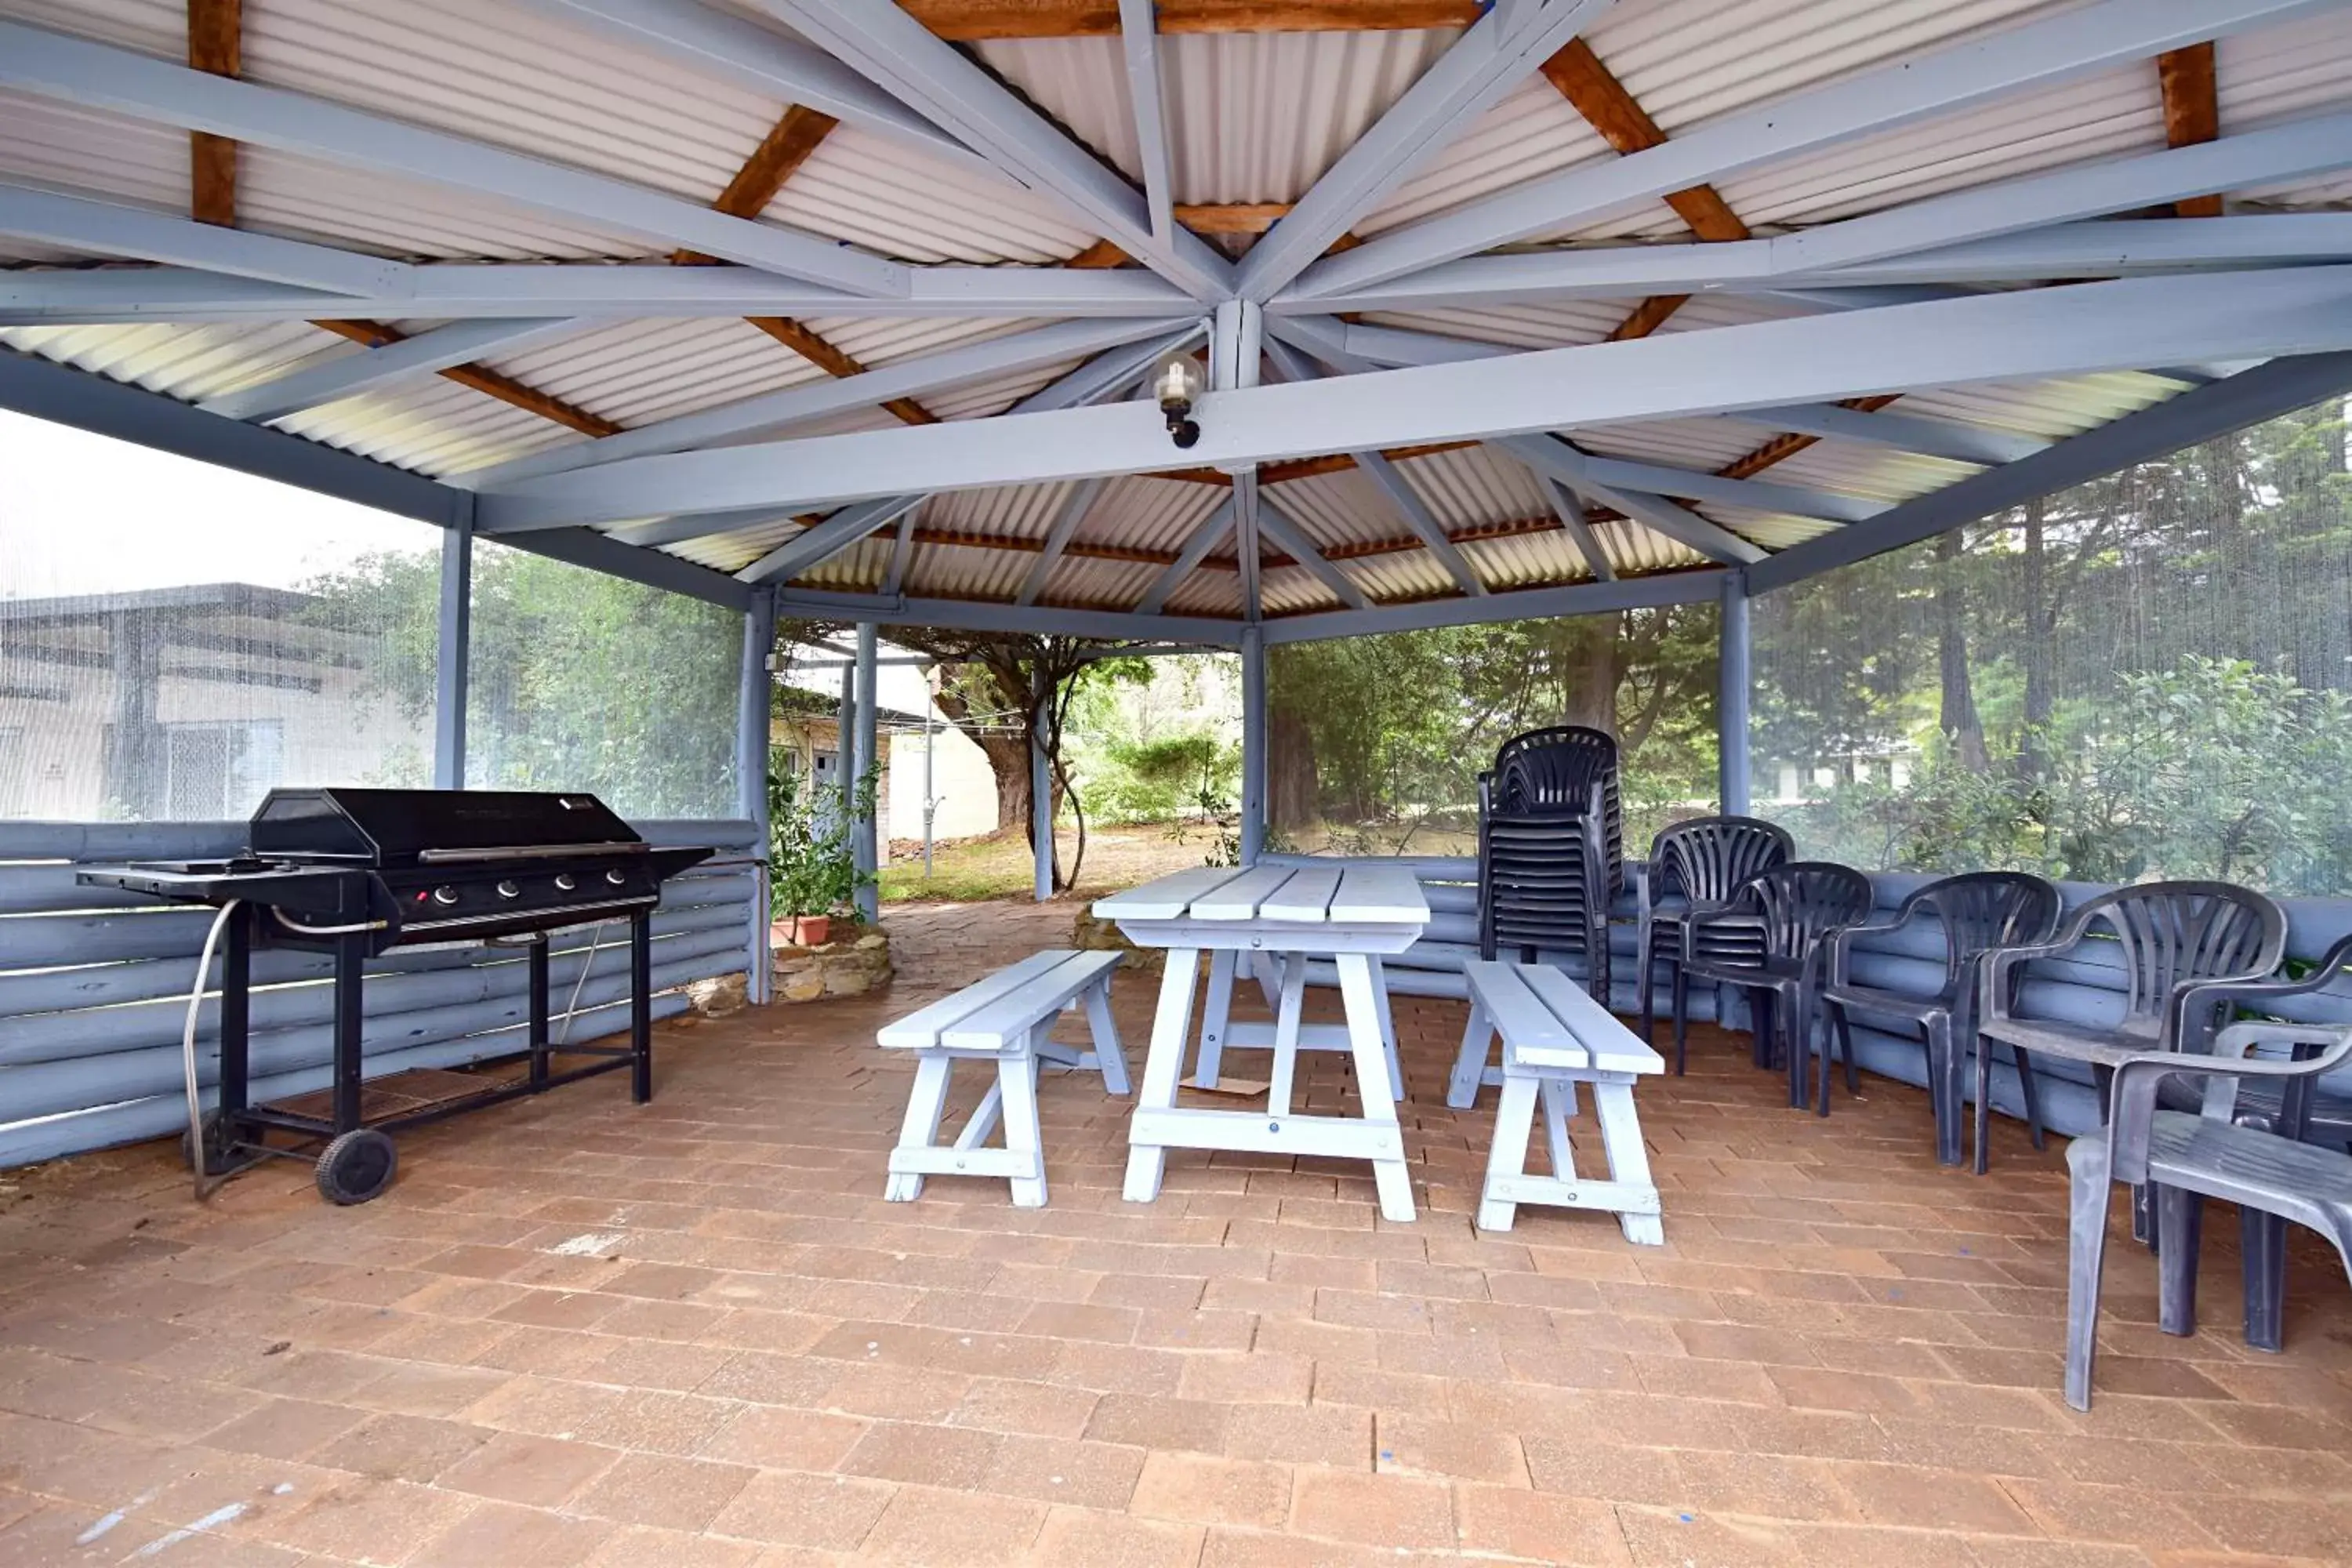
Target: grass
997	866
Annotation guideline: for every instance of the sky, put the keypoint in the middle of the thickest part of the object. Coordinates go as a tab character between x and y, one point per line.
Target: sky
88	514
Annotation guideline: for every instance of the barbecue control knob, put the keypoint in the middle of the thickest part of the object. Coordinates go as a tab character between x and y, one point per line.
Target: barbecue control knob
444	895
566	882
616	875
510	890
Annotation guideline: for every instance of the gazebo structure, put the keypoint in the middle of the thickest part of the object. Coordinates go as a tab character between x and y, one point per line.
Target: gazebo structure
841	310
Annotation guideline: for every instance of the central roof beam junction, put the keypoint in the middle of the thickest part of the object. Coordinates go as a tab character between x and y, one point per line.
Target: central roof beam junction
2025	333
1289	536
771	411
123	81
738	50
1075	507
980	21
1100	377
1906	92
2192	112
279	280
1497	52
1139	46
2094	249
932	76
313	385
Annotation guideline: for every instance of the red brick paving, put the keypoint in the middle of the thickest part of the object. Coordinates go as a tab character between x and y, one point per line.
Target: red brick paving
692	1334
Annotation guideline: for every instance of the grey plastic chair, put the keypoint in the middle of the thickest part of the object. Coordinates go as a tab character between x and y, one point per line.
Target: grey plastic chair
2302	1109
2188	1158
1696	866
2166	937
1977	912
1795	909
1549	858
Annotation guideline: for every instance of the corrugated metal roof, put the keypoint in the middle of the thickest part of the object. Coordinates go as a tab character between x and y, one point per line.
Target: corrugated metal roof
190	362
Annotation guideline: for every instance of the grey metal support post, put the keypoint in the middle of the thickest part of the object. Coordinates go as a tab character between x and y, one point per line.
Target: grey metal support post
751	780
1041	784
456	652
1253	774
1731	699
863	845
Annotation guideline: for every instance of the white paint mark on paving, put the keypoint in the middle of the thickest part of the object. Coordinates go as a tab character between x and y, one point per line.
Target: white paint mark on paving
212	1520
588	1244
105	1522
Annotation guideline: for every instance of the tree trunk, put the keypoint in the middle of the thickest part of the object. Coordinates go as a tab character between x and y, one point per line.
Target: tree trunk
1008	759
2040	652
1958	718
1589	670
1291	802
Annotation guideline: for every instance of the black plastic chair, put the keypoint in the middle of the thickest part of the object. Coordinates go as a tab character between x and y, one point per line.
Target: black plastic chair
1795	908
1977	912
2169	937
1548	864
2301	1107
1697	866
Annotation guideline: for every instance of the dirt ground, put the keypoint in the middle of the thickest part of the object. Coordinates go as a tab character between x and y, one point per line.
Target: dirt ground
998	866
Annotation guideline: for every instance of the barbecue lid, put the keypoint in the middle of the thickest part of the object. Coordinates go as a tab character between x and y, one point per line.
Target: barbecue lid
387	826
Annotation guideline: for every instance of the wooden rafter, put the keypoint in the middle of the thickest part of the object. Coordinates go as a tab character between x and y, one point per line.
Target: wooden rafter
1781	448
2193	112
1625	124
216	44
834	361
1219	219
974	21
484	380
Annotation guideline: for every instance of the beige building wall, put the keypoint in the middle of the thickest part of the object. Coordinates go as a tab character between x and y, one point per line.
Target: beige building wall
961	781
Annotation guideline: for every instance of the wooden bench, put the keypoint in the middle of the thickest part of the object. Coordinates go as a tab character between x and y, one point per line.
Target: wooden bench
1555	1036
1006	1018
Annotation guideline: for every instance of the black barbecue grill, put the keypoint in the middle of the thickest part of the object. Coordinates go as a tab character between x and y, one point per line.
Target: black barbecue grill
356	872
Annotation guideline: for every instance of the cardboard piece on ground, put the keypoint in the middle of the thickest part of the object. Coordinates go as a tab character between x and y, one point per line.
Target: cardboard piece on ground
1241	1088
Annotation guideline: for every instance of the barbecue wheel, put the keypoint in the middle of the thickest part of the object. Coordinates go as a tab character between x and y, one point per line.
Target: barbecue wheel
356	1167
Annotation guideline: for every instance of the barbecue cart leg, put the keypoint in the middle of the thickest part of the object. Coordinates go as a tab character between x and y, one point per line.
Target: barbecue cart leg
350	950
539	1012
641	1006
236	1014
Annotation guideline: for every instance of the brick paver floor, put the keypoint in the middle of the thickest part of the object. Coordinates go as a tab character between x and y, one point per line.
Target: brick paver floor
692	1335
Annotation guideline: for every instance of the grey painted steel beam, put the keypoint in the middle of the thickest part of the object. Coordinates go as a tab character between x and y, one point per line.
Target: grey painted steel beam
1210	532
690	525
753	704
902	550
828	539
863	845
1080	502
1566	507
115	229
586	547
738	50
316	382
1576	599
1903	93
1254	733
1901	432
1139	46
838	394
1408	503
954	90
458	290
453	641
1494	55
1248	552
1041	787
1759	495
123	82
1556	459
1289	536
2025	333
2266	391
1731	685
2099	248
976	616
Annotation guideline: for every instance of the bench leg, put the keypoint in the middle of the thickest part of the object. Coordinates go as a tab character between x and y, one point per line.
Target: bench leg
1358	993
1162	1064
1559	1106
1017	1079
1470	1061
1629	1161
1214	1018
1507	1157
1107	1052
925	1106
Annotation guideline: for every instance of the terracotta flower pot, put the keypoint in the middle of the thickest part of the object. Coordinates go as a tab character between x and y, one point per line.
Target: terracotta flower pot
802	930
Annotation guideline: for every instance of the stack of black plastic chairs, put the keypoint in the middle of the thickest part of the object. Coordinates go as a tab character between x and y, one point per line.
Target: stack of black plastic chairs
1551	848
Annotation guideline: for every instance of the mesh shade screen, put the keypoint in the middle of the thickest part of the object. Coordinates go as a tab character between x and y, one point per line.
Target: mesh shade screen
176	639
1374	744
582	681
2147	676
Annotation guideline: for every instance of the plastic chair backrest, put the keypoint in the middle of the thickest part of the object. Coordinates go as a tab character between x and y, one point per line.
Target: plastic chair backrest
1706	858
2170	933
1984	909
1804	900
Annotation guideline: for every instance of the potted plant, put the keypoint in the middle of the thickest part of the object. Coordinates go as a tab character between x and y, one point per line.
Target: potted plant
812	868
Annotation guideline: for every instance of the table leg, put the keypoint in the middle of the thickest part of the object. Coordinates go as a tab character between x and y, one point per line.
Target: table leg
1356	990
1388	1025
1215	1017
1285	1031
1163	1065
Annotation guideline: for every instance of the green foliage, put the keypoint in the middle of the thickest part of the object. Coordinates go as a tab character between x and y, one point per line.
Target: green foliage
812	863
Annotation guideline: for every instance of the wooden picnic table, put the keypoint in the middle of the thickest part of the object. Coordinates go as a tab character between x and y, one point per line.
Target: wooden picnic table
1282	917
